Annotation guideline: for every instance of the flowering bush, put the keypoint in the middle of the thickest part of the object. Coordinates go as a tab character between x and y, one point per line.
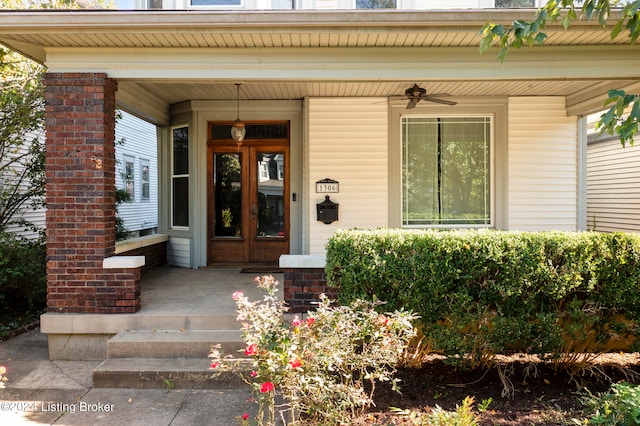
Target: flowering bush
317	366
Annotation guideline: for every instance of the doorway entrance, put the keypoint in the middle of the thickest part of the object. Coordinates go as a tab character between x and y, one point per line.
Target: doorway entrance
248	193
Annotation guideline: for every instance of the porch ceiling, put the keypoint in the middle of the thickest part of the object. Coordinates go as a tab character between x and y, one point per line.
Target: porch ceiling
75	40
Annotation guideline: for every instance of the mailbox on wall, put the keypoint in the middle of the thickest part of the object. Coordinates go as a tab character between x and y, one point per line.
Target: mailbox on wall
327	211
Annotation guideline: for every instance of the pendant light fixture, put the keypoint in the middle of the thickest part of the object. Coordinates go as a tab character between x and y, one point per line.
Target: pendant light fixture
237	129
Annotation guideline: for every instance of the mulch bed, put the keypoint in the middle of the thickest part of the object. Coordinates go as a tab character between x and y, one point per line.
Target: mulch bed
541	396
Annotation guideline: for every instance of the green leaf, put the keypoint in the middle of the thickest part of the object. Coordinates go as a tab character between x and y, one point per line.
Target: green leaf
498	30
485	43
617	28
540	38
503	54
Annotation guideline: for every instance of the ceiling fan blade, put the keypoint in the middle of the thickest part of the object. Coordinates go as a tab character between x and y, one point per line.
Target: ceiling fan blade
412	103
440	101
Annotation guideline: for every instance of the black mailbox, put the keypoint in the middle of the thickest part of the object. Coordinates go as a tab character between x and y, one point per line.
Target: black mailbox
327	210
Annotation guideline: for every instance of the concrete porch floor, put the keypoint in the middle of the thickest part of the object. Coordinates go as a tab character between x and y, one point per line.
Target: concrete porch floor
172	299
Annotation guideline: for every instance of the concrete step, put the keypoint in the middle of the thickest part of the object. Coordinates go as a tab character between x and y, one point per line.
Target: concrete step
165	373
173	343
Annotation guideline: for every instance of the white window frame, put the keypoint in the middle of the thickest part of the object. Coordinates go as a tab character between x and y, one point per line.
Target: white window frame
492	173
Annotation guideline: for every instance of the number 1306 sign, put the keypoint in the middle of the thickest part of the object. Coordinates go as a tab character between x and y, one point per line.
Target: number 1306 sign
327	186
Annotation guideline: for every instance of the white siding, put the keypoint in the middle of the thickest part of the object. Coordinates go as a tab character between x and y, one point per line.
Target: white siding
141	146
179	252
543	166
36	217
613	186
348	143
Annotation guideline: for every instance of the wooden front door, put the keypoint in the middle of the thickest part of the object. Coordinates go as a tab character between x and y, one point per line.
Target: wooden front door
248	196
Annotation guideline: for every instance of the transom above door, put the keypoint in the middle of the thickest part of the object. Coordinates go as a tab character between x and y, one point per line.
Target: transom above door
248	193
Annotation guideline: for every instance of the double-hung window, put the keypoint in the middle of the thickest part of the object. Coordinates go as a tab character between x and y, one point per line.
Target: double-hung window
130	177
446	176
180	178
144	178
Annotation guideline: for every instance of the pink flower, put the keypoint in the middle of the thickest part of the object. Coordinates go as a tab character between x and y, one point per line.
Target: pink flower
295	363
237	295
251	350
297	322
245	416
214	365
267	387
253	374
310	321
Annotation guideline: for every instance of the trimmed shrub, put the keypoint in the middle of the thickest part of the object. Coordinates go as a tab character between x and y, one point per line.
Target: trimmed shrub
482	293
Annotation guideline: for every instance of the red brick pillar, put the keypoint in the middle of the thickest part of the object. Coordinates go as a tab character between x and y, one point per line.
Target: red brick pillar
80	171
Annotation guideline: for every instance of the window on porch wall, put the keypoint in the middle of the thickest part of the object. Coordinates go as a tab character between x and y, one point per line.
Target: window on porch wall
144	177
515	3
180	178
129	177
446	177
376	4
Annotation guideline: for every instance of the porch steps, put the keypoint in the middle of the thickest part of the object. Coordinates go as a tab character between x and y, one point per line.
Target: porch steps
157	359
172	343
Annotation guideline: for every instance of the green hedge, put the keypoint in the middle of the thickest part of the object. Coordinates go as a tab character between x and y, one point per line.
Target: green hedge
23	285
481	293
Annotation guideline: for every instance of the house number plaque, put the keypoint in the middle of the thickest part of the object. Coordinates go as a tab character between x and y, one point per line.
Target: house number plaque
327	186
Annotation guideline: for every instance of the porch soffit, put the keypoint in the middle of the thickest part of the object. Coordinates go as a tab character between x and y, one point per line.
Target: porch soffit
66	40
32	32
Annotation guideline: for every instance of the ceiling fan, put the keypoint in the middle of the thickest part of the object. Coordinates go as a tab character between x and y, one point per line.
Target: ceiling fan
416	94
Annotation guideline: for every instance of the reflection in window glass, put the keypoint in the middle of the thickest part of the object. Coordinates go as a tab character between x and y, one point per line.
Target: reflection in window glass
129	178
270	194
375	4
181	151
445	171
227	183
144	177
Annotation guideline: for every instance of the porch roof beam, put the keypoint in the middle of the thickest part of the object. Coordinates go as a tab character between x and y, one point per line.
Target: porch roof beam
592	101
358	64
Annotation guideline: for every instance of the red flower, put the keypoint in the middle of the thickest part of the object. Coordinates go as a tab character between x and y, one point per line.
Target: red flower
297	322
215	365
254	374
251	350
245	416
267	387
310	321
295	363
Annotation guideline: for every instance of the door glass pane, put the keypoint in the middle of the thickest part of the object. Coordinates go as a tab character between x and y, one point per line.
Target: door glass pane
227	184
270	186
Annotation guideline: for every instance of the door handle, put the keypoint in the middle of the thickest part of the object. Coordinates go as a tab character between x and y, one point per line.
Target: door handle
253	210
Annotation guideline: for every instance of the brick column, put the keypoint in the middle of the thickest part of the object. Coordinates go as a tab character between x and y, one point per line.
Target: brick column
303	287
80	171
